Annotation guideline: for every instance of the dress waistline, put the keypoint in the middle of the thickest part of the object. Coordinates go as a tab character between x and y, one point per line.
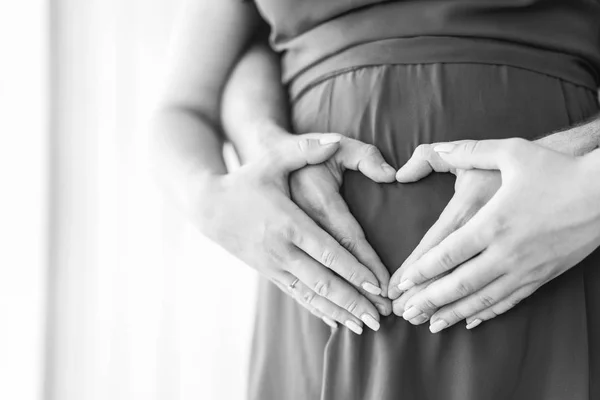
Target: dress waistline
439	49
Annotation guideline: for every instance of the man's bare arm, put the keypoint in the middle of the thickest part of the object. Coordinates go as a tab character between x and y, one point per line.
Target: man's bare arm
255	116
255	108
575	141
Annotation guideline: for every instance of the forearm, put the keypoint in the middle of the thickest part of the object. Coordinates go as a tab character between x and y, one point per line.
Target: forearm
254	109
186	150
576	141
185	143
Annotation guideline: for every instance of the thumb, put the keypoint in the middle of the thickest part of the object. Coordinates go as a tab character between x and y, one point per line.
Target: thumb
483	154
423	162
301	150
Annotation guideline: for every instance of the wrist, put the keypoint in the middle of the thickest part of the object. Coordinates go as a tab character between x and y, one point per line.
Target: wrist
200	191
260	136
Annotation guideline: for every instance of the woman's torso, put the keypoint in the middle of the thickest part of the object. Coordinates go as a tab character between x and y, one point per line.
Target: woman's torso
558	37
428	71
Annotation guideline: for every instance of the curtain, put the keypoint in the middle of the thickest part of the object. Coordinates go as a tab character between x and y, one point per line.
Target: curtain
23	193
126	300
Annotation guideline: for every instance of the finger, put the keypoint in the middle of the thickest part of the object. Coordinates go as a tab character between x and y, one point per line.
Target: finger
328	285
297	151
321	307
481	300
423	162
462	282
299	299
333	215
451	218
333	313
366	158
484	154
458	247
502	306
399	305
309	237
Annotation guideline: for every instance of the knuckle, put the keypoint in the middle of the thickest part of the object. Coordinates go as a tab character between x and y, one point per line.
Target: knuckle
463	288
349	243
486	300
495	228
370	150
336	314
445	260
289	232
419	276
457	315
329	258
352	276
351	306
321	287
471	147
308	296
429	304
303	144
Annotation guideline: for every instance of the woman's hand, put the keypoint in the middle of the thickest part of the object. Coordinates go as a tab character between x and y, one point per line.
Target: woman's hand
249	213
542	221
315	189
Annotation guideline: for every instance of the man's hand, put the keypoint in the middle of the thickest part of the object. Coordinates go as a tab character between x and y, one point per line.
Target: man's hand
544	219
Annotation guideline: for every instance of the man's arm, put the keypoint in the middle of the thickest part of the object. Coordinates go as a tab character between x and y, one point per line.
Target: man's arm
473	190
255	108
575	141
255	117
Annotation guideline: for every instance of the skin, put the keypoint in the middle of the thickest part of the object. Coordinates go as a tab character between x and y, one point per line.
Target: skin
187	148
249	211
474	188
514	243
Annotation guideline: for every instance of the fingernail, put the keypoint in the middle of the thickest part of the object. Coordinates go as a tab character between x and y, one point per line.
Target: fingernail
370	321
438	326
406	285
411	312
473	324
444	148
369	287
354	327
329	322
388	169
419	319
329	139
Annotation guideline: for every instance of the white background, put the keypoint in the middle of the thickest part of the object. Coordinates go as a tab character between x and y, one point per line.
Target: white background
105	292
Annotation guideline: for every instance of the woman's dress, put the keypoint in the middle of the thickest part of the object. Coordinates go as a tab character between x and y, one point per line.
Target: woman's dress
398	74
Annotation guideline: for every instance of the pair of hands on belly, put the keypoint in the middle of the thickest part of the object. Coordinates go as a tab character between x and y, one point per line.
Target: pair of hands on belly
521	216
270	213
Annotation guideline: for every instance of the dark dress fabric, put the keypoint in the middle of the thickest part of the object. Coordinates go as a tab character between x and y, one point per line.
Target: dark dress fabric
546	348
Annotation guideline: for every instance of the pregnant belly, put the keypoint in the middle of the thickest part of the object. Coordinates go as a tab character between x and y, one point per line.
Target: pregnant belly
396	108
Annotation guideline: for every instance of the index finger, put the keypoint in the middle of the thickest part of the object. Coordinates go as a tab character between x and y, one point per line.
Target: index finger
442	228
335	218
460	246
309	237
485	154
